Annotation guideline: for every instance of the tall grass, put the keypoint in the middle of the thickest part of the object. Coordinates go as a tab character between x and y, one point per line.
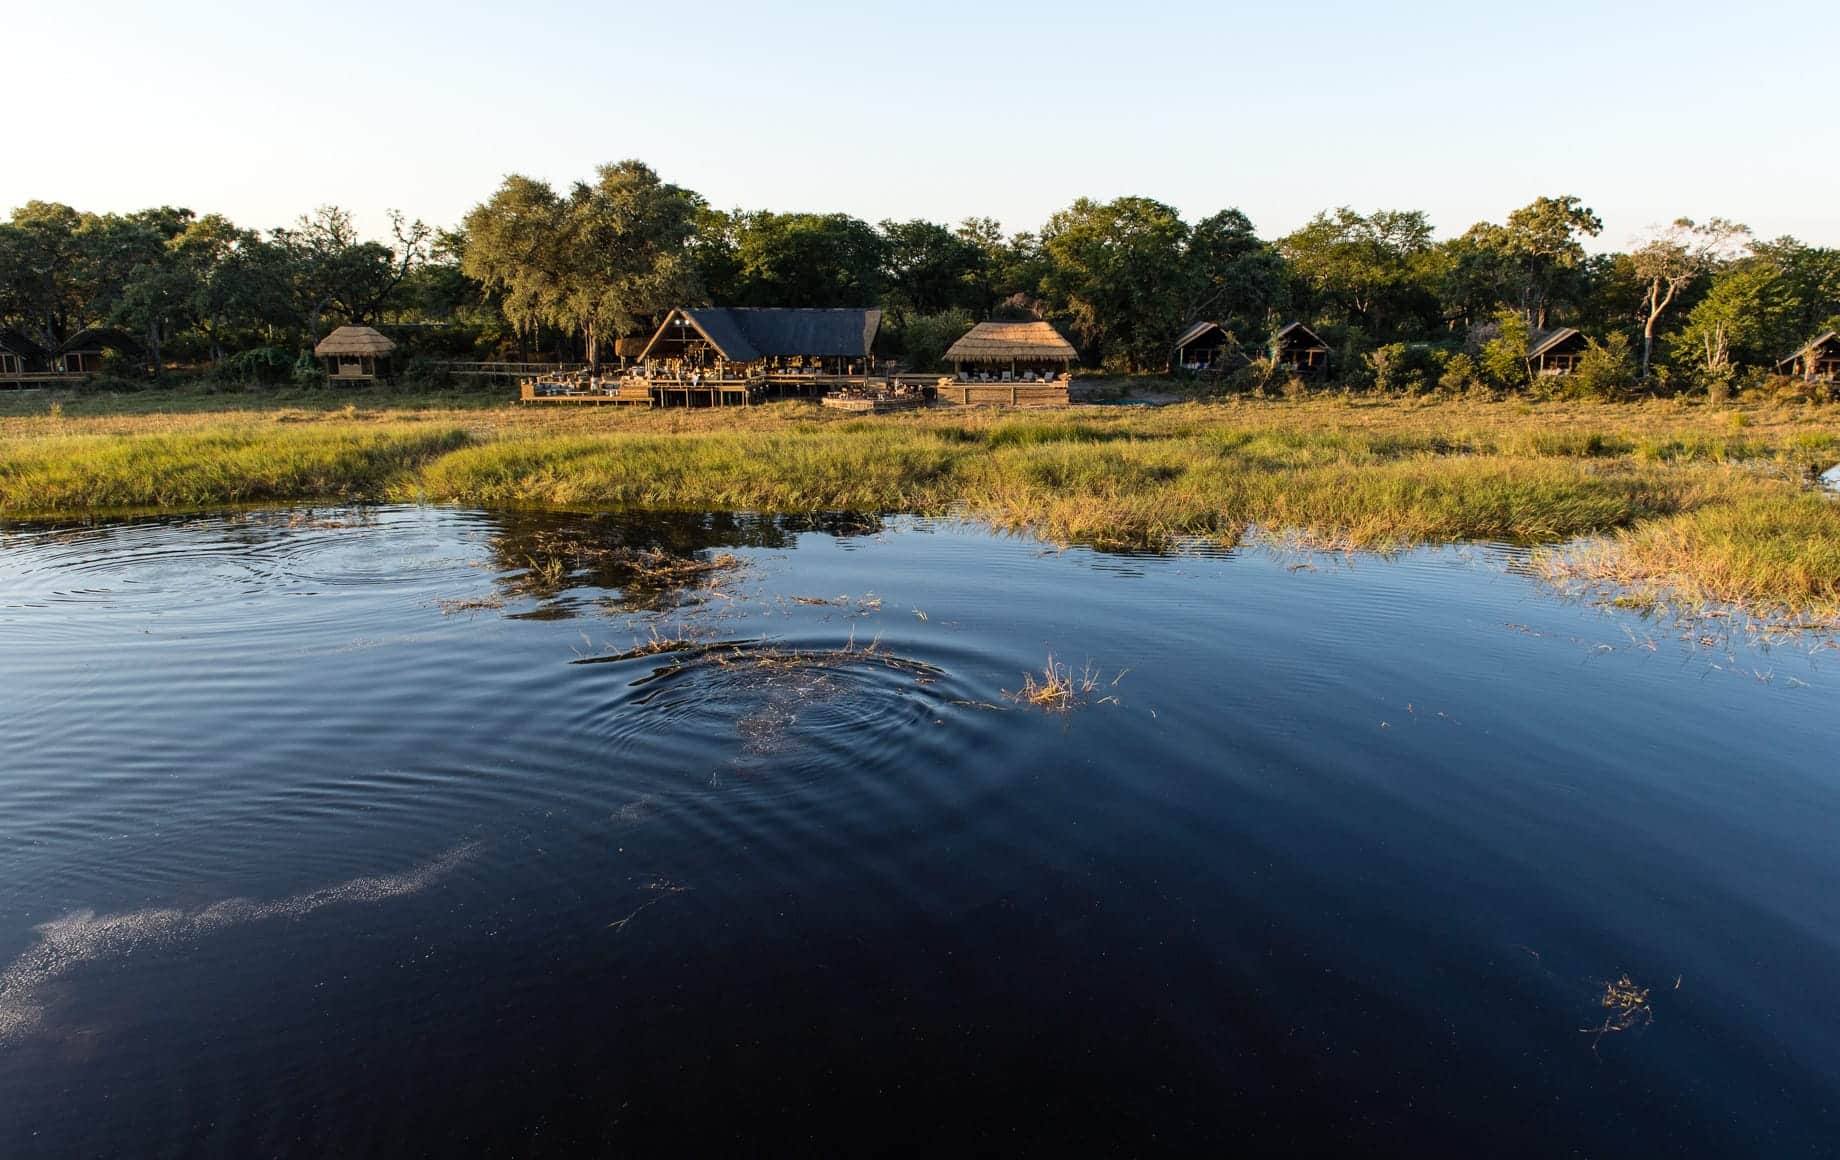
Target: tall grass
1767	552
59	475
1698	499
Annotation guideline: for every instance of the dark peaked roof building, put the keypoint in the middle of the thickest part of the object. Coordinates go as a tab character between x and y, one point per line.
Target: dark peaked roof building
749	335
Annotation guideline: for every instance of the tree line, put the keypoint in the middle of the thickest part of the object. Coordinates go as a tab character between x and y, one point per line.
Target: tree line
533	269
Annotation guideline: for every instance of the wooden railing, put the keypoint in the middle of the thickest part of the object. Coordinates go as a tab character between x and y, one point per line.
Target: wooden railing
508	369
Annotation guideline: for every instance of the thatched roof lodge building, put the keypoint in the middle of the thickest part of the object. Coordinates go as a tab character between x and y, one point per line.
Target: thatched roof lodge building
1009	362
1300	350
356	354
1817	361
1556	353
1012	349
788	351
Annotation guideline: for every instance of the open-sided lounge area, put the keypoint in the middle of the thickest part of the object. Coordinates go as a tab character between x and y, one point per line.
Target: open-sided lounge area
1009	362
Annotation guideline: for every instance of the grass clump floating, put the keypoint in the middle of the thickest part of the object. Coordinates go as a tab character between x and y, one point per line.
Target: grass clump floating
1059	688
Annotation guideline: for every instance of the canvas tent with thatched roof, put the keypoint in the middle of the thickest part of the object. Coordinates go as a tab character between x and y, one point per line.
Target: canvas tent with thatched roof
1012	350
356	354
1817	361
1300	350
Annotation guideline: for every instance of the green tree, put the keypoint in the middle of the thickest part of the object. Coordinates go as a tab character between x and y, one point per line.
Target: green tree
334	269
1745	315
807	259
41	279
1115	273
1233	277
929	268
925	338
1503	359
1672	259
1368	270
1544	254
614	252
1811	290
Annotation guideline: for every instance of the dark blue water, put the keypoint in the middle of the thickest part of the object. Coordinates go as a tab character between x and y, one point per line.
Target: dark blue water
338	833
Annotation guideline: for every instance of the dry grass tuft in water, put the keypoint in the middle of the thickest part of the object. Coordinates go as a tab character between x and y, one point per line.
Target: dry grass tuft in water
480	604
1625	1006
1059	688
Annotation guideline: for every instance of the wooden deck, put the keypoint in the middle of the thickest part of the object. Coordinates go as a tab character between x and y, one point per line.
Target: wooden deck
741	392
33	380
873	406
1004	394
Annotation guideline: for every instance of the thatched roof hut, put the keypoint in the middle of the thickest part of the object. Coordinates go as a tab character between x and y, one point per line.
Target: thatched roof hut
356	354
354	340
1013	342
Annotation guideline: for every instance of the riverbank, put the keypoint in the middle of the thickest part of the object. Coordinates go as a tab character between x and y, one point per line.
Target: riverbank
1694	502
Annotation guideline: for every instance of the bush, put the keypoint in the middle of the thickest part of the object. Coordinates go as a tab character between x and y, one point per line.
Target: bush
1504	358
1411	368
1605	371
926	337
424	372
307	371
265	366
1460	375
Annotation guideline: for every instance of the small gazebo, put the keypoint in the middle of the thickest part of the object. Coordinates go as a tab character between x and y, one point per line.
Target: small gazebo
1014	350
356	354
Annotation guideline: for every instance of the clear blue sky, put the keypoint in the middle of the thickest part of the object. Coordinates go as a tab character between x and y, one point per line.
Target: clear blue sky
938	109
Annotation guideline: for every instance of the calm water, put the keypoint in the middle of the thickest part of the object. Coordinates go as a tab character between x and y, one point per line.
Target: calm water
331	833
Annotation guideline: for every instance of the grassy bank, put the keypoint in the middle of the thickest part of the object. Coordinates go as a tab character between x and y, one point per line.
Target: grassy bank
1705	501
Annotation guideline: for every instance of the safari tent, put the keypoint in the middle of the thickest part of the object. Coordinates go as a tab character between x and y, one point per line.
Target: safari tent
84	352
1818	360
1556	353
1206	347
785	345
1300	349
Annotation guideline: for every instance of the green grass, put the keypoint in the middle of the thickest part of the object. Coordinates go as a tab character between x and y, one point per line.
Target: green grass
61	475
1689	497
1771	554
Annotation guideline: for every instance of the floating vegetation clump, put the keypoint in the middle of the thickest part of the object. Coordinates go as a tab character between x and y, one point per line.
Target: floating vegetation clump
1059	688
1625	1006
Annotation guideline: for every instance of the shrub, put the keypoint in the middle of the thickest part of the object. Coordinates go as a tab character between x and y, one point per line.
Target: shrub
1504	358
926	337
307	371
1605	371
424	372
264	366
1412	368
1460	375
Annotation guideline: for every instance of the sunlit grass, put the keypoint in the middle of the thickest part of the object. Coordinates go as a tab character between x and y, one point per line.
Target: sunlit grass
1695	498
